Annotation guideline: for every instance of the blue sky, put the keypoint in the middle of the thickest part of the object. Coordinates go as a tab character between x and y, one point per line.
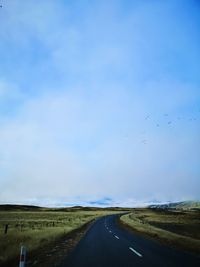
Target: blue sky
99	101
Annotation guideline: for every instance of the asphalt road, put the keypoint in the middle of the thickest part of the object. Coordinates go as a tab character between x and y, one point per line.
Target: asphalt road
107	245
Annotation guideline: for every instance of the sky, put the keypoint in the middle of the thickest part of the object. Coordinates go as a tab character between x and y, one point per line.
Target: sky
99	102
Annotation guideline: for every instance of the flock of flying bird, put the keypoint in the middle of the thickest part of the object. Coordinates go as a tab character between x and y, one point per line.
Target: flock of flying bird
168	121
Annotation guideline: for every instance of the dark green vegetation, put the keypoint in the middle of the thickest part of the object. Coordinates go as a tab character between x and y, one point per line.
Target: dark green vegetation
37	227
179	228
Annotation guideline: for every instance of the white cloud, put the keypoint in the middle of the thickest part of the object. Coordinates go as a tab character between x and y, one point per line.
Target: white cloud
70	145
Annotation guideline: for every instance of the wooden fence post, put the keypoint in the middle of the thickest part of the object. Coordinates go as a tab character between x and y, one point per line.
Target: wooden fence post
6	229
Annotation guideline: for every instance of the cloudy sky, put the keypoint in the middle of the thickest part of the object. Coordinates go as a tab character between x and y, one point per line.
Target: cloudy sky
99	101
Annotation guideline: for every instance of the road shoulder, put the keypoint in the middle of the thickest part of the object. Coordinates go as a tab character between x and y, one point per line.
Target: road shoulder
179	243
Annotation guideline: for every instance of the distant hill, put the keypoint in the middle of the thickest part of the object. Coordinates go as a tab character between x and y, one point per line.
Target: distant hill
184	205
10	207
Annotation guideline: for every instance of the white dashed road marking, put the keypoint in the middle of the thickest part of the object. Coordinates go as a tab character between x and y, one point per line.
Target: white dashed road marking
137	253
132	249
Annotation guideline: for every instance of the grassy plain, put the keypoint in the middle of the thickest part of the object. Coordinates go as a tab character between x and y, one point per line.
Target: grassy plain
176	228
39	227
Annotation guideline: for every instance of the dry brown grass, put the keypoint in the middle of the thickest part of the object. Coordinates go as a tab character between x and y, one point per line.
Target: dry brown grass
37	229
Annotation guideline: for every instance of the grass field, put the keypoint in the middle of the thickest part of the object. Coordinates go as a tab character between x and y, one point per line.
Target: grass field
176	228
35	229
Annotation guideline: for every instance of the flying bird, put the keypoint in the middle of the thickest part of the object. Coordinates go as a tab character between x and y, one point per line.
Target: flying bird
144	142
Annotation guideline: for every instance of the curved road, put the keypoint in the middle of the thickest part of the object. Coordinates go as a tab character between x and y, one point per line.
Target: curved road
107	245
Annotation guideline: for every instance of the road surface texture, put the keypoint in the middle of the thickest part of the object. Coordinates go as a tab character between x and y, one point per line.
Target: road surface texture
107	245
